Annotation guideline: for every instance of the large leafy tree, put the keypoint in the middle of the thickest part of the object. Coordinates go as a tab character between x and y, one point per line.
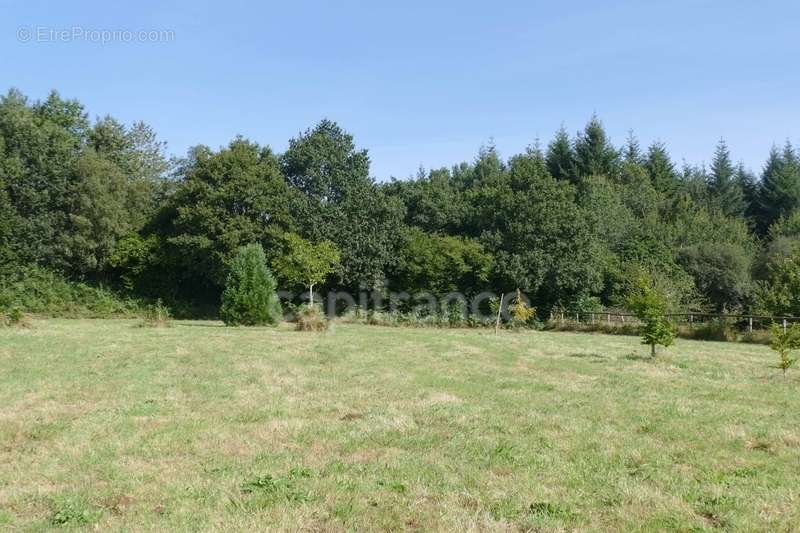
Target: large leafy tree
721	273
97	216
341	203
434	202
41	142
532	226
224	200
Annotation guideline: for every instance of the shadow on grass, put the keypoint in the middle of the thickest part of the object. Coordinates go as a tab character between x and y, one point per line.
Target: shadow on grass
633	356
588	355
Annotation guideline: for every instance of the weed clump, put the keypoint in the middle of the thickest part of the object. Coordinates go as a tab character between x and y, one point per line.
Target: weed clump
157	316
311	318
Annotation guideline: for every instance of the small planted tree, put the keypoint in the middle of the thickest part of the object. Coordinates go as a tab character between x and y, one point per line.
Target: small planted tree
306	263
521	312
249	298
784	342
650	304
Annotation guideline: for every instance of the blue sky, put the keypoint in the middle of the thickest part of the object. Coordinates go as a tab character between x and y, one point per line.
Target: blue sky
427	83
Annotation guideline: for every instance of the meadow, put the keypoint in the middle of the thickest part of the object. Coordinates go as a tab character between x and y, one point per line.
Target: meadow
108	426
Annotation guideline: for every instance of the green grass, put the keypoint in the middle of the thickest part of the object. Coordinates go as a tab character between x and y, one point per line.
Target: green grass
105	425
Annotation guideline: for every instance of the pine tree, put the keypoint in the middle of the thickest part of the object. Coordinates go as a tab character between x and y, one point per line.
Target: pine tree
249	298
594	154
779	193
660	168
746	181
724	189
632	153
561	157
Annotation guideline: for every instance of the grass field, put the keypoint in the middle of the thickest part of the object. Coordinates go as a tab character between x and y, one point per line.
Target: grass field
199	427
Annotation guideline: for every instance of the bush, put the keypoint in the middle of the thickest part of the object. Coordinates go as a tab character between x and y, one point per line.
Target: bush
39	291
157	316
311	318
713	330
249	298
15	318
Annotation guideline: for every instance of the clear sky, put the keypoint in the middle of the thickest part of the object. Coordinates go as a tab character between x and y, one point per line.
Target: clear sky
424	82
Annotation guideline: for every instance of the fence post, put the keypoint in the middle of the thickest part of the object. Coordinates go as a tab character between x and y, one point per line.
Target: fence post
691	320
751	325
608	318
578	318
562	316
784	325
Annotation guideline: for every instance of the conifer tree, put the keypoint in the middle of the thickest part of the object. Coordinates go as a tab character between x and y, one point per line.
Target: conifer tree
725	190
249	298
779	194
561	156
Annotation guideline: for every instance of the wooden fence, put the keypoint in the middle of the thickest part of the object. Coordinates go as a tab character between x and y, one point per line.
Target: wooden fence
741	322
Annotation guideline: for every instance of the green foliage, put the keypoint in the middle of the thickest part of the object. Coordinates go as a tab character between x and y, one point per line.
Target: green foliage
521	312
305	263
650	304
249	298
712	330
226	200
725	189
594	153
99	204
440	264
38	291
784	342
338	201
721	272
779	194
779	292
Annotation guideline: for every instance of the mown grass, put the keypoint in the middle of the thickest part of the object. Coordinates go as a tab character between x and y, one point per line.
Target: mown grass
106	426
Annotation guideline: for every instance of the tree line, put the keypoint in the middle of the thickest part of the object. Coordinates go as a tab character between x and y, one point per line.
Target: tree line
571	222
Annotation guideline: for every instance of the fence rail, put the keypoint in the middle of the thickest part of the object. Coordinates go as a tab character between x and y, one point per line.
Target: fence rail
743	322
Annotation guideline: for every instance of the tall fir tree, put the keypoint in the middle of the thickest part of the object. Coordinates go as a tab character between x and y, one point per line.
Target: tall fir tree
725	191
561	156
660	168
594	153
779	193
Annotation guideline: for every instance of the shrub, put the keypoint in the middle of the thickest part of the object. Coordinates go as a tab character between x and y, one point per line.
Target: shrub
39	291
521	312
311	318
249	298
157	316
15	318
713	330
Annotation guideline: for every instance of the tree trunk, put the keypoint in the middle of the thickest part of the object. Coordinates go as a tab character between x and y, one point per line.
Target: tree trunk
499	308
